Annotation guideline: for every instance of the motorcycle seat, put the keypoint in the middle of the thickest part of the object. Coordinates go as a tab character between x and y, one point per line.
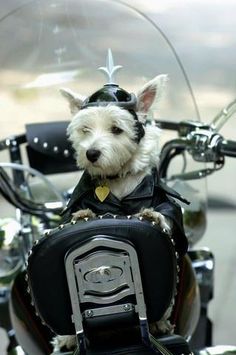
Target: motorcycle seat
100	274
46	269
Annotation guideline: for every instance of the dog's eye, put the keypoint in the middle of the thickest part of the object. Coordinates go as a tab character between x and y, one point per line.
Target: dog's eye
85	129
116	130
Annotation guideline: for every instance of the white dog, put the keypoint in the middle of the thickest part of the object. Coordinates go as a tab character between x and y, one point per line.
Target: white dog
104	140
120	158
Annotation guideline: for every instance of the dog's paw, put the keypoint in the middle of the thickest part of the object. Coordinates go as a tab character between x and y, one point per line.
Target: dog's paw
165	327
161	327
81	214
64	342
150	215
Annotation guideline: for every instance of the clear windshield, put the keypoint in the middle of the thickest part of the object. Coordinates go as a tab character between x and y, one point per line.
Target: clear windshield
49	44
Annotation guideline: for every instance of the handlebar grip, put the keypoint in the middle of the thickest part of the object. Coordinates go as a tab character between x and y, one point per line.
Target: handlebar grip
227	147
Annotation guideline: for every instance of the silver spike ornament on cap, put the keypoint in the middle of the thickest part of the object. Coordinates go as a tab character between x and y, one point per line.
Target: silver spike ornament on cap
110	68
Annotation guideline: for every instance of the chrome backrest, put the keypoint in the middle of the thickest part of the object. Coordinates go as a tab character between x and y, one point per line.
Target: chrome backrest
103	273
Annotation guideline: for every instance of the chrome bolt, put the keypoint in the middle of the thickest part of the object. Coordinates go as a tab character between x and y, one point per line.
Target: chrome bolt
127	307
89	313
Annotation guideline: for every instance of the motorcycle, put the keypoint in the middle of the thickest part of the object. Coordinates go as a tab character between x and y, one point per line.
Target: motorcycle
101	254
107	278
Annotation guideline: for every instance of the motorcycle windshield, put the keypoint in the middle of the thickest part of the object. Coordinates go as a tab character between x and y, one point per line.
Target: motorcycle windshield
50	44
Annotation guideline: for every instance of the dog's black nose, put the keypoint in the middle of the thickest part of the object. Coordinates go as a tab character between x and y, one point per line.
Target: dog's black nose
93	155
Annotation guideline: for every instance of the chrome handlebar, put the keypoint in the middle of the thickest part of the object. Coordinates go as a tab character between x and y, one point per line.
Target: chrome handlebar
203	144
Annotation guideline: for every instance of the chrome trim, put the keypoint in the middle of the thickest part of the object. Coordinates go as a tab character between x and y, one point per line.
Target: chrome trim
88	257
123	308
104	277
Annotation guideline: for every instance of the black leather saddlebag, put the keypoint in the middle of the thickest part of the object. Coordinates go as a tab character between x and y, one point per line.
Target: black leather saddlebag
48	148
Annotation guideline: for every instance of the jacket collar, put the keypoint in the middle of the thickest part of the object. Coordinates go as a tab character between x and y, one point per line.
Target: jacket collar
87	183
145	188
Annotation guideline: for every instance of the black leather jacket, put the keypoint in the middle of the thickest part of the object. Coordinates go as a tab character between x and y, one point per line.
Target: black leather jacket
150	193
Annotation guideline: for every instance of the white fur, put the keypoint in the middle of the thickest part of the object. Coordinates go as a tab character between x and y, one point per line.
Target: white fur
120	154
63	341
91	129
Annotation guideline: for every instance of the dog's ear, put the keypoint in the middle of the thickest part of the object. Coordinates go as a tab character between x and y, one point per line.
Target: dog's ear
151	93
75	100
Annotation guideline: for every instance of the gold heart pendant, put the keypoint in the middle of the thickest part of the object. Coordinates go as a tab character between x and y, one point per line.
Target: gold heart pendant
102	192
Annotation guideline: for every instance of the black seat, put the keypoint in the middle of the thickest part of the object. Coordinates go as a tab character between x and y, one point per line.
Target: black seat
93	265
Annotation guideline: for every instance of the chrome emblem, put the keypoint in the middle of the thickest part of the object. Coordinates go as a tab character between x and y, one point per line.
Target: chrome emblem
103	274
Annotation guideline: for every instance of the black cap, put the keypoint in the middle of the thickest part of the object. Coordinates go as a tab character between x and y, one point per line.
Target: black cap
111	94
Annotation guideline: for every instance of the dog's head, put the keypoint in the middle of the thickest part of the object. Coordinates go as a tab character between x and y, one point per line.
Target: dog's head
108	137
